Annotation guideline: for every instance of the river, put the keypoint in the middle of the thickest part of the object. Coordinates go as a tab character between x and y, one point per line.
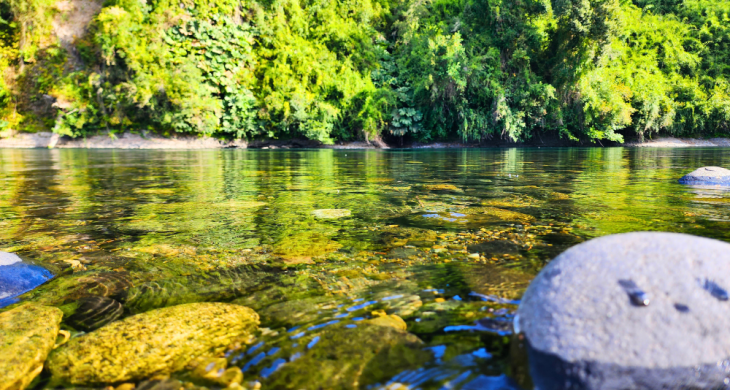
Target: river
318	241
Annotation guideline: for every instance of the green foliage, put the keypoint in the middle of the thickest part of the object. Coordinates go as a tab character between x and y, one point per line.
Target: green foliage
8	54
313	63
341	69
33	21
655	78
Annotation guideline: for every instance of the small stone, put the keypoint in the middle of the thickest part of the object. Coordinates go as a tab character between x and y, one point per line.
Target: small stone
231	376
27	334
392	321
213	370
630	311
707	176
151	344
331	213
207	368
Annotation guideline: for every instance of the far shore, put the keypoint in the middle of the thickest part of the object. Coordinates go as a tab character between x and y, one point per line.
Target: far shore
152	141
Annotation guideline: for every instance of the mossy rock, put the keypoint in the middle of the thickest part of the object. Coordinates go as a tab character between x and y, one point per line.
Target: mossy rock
392	321
27	334
150	344
352	359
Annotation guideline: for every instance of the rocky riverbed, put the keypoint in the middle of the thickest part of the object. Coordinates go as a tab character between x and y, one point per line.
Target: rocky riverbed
387	269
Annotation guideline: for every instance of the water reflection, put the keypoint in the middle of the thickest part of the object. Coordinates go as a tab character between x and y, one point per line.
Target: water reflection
447	241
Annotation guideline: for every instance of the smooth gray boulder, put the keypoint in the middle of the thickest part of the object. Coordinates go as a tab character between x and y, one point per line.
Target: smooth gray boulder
707	176
631	311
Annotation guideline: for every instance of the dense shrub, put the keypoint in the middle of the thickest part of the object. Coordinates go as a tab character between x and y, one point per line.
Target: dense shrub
343	69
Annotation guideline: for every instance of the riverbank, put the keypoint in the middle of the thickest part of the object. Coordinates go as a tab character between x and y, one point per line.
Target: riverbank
154	141
671	142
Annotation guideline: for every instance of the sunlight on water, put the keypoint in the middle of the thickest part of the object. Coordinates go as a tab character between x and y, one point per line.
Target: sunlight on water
389	270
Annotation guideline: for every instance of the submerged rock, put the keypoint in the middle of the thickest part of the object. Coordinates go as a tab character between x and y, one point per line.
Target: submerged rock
442	187
496	283
352	359
707	176
631	311
69	289
292	312
331	213
392	321
302	246
502	214
18	277
154	343
95	312
175	289
27	334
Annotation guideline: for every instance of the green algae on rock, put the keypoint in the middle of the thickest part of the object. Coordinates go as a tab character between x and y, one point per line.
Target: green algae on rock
154	343
442	187
505	215
178	285
295	311
331	213
352	359
27	334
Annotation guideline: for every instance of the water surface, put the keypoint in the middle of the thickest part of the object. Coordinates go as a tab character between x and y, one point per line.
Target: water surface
447	240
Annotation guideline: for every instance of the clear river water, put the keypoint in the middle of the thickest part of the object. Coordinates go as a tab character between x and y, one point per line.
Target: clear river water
320	242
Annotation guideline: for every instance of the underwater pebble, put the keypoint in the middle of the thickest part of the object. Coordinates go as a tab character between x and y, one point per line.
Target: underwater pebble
605	314
392	321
